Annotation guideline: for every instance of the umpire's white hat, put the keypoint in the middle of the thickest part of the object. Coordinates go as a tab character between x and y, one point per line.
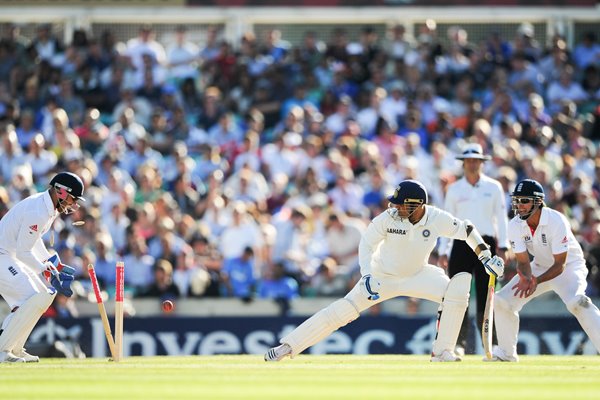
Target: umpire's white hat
473	150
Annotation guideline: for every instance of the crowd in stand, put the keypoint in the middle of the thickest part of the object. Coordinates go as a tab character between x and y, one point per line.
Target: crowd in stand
250	169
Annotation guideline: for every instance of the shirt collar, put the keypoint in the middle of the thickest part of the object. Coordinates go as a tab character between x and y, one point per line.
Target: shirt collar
543	217
49	204
423	219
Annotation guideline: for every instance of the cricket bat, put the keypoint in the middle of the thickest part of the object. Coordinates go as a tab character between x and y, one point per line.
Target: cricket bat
487	327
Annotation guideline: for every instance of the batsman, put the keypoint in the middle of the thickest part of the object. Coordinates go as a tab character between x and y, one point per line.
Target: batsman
393	255
24	259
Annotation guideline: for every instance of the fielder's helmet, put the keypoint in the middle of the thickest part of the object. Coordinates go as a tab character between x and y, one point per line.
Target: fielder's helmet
69	182
409	192
529	188
528	191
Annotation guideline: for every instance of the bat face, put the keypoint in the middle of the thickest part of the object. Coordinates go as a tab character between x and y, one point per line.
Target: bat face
488	319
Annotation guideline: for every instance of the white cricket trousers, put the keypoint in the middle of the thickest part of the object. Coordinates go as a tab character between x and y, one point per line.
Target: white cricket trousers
429	283
569	286
18	282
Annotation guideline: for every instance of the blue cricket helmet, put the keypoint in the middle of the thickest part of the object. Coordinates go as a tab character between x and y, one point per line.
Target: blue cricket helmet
529	188
409	192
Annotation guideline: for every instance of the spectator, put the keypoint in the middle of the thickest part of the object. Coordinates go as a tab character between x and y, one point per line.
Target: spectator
276	285
162	285
238	275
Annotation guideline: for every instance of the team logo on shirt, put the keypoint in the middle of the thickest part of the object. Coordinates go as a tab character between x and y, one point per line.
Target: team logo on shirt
33	228
426	233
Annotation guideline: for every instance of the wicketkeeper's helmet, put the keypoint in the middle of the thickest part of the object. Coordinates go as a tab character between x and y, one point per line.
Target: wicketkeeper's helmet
67	184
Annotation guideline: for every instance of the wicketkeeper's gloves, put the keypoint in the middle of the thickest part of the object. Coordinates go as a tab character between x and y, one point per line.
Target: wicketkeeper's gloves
61	281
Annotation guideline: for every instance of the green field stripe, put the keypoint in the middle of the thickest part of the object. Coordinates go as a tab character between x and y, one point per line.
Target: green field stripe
305	377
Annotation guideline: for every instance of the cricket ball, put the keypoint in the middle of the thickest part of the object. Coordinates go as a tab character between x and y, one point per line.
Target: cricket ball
168	306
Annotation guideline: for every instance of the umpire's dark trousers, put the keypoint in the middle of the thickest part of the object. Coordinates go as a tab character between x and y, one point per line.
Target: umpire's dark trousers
463	259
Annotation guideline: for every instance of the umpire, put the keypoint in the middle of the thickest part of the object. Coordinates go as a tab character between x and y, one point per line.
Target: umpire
480	199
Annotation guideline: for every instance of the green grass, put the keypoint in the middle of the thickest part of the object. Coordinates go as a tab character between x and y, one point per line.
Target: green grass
309	377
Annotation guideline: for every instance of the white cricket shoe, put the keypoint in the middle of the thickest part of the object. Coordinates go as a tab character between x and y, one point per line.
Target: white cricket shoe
446	356
499	355
8	357
278	353
27	357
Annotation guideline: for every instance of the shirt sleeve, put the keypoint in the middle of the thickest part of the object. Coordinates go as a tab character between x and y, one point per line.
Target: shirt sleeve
40	251
449	226
516	239
449	205
560	237
26	241
374	235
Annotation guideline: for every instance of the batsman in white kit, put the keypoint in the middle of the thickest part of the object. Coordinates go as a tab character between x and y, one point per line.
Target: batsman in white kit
393	255
24	258
557	265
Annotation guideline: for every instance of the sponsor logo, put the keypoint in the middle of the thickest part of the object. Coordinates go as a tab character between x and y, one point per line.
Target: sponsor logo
565	240
34	228
150	336
426	233
396	231
544	239
13	270
527	238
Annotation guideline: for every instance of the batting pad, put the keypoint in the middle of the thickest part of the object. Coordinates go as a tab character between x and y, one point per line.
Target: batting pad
23	320
322	324
453	308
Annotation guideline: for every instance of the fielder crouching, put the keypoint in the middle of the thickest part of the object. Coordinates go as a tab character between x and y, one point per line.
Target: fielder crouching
24	259
394	253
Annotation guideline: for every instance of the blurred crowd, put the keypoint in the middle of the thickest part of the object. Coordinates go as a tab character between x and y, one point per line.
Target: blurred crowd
250	169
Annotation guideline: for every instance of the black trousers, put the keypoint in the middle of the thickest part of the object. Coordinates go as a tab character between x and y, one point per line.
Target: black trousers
463	259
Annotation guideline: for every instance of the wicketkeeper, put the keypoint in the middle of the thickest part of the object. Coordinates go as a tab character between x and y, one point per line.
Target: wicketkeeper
394	253
24	259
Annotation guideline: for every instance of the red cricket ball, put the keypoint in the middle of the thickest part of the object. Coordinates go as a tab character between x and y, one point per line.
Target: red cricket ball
168	306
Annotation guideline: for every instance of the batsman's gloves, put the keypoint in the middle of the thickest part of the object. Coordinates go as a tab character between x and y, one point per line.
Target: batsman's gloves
493	265
371	286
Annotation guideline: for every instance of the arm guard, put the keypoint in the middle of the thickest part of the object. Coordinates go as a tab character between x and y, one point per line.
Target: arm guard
475	241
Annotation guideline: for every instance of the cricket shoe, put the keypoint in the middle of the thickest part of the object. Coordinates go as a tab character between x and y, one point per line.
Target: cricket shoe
445	356
8	357
498	355
278	353
27	357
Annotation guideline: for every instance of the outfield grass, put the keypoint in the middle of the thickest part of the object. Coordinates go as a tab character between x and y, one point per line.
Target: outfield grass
305	377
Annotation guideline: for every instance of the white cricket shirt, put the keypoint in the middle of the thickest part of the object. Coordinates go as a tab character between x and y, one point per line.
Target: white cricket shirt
483	204
552	236
22	228
394	247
